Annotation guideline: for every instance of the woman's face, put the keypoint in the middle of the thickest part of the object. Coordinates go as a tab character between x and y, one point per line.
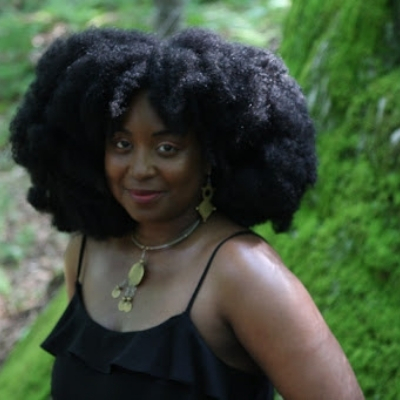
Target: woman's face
152	172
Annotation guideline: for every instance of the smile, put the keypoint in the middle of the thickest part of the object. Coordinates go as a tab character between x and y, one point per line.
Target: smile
144	196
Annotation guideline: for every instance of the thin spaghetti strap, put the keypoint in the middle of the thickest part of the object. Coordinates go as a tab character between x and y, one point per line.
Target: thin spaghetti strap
81	253
203	276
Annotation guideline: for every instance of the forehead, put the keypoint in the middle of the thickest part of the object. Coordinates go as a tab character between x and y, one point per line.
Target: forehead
140	112
142	116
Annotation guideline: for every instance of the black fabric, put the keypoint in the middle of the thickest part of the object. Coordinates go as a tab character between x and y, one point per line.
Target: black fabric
170	361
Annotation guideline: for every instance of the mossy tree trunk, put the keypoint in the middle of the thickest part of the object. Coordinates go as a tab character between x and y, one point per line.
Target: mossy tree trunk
336	48
345	243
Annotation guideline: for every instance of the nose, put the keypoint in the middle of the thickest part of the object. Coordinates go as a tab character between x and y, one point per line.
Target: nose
141	164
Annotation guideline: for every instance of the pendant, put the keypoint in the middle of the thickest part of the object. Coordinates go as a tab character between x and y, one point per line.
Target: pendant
135	276
129	287
125	304
136	273
116	292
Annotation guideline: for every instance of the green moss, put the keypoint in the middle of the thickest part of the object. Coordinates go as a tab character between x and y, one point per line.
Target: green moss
350	222
337	48
375	115
345	241
26	373
302	29
355	285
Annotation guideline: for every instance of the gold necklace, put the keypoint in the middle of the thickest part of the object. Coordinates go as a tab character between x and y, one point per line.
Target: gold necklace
136	273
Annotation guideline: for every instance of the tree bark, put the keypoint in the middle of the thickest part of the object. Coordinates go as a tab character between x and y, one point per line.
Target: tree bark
168	16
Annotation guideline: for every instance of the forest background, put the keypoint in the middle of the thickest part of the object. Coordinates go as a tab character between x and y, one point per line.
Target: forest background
344	243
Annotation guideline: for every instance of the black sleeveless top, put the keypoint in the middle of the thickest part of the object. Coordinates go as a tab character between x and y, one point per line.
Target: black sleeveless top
170	361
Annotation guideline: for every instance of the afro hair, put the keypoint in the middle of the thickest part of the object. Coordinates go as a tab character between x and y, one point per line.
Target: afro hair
249	114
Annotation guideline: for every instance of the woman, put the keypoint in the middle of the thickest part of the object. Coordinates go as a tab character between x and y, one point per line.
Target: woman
158	157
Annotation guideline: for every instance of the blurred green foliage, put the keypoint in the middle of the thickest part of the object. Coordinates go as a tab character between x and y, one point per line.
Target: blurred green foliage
15	240
26	375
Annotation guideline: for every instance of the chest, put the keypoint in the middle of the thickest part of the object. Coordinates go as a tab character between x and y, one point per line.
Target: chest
170	284
166	289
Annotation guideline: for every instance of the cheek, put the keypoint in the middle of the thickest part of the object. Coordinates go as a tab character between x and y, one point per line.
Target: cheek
113	172
193	180
111	166
190	173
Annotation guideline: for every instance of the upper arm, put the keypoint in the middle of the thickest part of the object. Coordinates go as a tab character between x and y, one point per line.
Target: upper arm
276	321
71	261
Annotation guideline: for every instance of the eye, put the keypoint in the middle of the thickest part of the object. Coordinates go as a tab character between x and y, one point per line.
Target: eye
122	144
119	143
167	149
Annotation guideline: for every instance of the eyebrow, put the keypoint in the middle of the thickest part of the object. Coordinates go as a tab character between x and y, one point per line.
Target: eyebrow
157	133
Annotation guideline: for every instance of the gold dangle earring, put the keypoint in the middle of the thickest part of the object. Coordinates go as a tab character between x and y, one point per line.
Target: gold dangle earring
206	208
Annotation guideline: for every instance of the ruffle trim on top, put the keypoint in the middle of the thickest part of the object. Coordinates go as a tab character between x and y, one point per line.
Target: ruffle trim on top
172	351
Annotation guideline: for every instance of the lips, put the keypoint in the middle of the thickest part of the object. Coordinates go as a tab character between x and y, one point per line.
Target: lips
144	196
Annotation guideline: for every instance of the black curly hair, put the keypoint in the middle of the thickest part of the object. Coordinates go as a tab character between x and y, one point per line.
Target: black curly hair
248	113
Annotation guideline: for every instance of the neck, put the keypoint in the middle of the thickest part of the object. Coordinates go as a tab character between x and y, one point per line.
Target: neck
161	233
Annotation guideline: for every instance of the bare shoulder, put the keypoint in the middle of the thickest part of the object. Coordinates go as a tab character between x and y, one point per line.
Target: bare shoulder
249	260
247	267
275	319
